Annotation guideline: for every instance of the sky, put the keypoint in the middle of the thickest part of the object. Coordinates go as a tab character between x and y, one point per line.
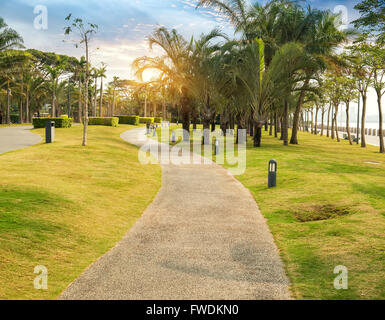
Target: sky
124	26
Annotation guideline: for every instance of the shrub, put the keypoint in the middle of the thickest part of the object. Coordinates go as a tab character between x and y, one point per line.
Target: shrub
59	122
106	121
64	116
158	119
146	120
15	118
133	120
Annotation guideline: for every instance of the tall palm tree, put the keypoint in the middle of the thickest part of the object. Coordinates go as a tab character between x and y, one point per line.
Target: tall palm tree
101	74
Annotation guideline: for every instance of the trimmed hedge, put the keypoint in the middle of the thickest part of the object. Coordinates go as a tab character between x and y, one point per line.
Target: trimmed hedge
133	120
105	121
158	119
146	120
15	118
59	122
64	116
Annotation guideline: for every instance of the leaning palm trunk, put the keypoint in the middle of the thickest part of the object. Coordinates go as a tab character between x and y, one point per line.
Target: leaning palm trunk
348	122
294	135
381	131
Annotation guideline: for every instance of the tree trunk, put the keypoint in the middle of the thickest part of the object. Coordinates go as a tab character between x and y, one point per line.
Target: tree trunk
53	107
80	105
285	125
69	98
332	118
164	113
336	123
101	97
206	131
258	134
21	111
322	121
328	122
363	137
8	103
271	125
294	135
27	111
348	122
381	131
316	121
251	128
95	97
275	125
85	121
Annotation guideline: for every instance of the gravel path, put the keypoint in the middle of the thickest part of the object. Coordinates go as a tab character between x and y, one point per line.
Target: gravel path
203	237
14	138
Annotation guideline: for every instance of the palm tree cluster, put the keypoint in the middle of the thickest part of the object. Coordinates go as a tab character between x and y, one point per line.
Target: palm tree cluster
264	76
39	83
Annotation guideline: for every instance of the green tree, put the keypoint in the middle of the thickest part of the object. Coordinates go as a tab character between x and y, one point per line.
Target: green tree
85	32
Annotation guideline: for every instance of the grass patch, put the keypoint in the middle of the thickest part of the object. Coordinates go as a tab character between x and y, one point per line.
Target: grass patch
320	212
63	206
328	209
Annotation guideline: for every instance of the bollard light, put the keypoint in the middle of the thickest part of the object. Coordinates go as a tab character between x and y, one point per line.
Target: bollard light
173	137
154	133
49	131
273	173
216	147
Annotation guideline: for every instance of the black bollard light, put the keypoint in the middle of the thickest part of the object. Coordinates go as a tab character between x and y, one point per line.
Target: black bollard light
173	137
272	173
49	131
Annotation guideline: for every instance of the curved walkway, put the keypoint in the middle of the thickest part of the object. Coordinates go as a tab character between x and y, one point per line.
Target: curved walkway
203	237
14	138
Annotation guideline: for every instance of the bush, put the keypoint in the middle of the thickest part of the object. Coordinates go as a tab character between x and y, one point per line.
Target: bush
158	119
59	122
64	116
15	118
133	120
106	121
146	120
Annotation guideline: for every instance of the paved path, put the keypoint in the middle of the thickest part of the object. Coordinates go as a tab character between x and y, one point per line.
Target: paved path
14	138
371	140
203	237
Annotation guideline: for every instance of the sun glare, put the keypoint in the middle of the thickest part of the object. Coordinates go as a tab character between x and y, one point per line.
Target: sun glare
150	74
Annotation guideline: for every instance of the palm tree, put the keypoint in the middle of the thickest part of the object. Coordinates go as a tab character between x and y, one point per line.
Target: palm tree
9	38
176	67
101	74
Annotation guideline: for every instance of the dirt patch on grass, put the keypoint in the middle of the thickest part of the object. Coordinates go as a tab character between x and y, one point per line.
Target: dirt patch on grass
321	212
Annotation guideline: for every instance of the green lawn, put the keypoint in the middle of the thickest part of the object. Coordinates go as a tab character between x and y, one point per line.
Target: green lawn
63	206
322	179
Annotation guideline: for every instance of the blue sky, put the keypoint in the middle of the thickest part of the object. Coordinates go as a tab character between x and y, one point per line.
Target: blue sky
123	25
